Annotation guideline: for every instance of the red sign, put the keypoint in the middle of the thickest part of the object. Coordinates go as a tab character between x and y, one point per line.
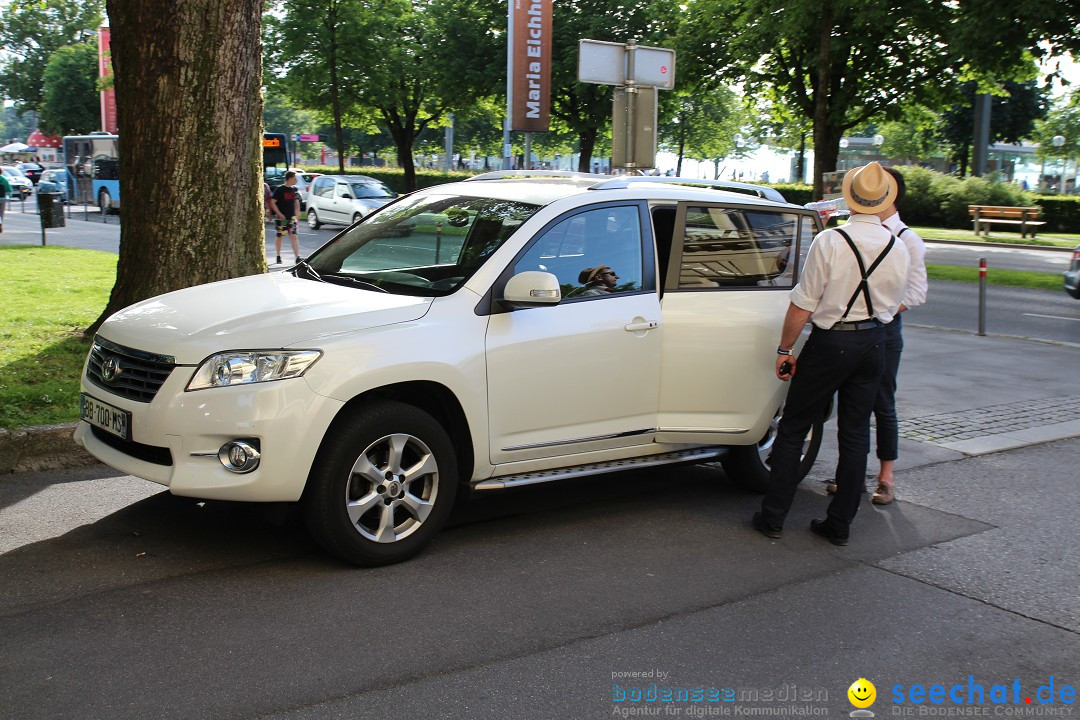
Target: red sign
307	138
108	96
531	77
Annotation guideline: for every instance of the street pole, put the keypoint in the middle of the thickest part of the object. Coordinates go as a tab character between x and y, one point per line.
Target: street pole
449	137
631	100
982	296
982	135
508	120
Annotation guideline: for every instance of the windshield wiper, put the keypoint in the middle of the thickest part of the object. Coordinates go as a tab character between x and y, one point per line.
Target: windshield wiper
308	271
355	281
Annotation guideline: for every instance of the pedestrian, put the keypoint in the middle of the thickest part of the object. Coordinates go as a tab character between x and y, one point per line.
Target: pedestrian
885	419
851	286
268	195
5	193
285	202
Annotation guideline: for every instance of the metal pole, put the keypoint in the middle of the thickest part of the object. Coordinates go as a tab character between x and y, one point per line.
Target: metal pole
982	296
449	137
981	145
508	120
528	150
631	103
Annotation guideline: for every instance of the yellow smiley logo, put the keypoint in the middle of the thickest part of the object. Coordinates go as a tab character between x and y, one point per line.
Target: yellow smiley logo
862	693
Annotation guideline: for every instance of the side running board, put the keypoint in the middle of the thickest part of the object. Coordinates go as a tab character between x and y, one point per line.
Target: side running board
681	456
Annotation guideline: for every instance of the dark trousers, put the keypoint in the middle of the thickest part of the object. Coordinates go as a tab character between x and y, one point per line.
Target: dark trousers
849	363
888	427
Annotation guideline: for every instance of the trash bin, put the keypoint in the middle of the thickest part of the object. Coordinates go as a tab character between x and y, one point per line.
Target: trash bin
50	209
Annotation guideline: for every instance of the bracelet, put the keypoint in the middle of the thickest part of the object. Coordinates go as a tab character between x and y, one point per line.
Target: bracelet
782	351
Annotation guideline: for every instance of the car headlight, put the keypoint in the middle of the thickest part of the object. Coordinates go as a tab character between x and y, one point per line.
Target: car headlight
254	366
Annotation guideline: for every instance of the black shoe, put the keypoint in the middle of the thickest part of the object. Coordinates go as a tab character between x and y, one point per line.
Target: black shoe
758	524
278	260
821	527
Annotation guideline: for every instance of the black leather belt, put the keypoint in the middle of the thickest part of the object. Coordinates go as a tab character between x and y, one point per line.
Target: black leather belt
858	325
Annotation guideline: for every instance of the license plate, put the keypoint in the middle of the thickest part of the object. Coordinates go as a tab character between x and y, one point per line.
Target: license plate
110	419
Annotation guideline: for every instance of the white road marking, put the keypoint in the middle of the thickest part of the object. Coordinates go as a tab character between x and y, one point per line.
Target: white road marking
1052	317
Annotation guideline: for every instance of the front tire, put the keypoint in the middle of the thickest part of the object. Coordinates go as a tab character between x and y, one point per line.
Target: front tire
313	219
382	486
748	465
105	202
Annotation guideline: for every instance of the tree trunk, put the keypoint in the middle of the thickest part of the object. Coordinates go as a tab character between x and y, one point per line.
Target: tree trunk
586	143
822	91
188	75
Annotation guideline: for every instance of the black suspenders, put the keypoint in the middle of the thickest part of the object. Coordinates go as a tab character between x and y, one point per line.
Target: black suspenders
864	285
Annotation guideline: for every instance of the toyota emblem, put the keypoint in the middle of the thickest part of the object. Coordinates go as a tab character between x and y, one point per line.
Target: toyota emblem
110	368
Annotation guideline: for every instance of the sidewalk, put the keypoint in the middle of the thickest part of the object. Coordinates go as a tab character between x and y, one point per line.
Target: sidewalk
960	395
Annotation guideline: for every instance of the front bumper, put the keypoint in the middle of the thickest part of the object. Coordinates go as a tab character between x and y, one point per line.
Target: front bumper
178	434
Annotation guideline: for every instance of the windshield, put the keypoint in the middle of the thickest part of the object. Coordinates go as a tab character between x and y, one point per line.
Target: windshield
371	190
14	172
426	244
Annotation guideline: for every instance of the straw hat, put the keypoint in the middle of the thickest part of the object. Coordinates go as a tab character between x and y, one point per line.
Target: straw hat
869	189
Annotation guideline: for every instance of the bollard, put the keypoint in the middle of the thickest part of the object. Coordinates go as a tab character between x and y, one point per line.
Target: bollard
982	296
438	241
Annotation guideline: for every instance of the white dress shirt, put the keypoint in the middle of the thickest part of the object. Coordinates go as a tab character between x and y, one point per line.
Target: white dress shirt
831	274
915	292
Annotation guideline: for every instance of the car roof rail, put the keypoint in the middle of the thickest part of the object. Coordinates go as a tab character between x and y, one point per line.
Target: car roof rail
762	191
512	174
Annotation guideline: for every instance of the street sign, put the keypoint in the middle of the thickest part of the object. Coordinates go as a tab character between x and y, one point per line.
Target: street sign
606	63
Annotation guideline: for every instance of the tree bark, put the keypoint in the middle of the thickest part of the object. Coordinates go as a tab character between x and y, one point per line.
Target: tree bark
187	76
822	92
586	144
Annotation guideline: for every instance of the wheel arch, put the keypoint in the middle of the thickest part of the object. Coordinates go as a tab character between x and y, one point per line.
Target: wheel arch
436	400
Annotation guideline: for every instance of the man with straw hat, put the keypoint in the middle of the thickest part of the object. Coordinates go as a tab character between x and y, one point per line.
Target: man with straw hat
850	287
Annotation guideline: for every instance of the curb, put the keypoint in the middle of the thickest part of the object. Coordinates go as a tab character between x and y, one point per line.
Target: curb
1007	246
36	449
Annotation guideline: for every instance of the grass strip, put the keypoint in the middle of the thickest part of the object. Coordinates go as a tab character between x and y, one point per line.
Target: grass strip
1009	278
50	295
1054	240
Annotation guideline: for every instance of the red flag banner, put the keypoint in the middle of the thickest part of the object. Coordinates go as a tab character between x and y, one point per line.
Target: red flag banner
531	105
108	95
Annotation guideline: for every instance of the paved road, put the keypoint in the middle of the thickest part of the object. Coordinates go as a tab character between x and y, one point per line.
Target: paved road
998	258
120	601
1049	315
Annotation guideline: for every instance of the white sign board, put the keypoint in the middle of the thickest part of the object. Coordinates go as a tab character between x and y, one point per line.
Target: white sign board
605	63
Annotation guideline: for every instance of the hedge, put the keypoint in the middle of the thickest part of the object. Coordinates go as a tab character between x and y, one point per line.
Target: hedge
1061	212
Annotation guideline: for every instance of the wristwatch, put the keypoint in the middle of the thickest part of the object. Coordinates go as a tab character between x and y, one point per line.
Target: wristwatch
782	351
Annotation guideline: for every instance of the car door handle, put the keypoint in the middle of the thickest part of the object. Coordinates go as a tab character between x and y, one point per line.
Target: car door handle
640	326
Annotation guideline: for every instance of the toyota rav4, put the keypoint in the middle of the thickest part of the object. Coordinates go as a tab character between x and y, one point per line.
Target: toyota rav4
486	334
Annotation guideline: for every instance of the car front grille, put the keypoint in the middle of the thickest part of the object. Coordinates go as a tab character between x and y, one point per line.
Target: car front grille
126	372
146	453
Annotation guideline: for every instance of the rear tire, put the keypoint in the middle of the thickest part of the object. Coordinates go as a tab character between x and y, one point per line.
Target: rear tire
748	465
382	486
105	202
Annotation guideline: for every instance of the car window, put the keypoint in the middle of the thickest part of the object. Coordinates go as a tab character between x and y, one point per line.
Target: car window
322	187
371	190
342	190
427	244
724	247
595	253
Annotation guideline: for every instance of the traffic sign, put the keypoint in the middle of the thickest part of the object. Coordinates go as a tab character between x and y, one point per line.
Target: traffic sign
606	63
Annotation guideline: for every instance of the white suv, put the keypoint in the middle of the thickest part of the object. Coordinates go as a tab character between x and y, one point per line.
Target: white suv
458	338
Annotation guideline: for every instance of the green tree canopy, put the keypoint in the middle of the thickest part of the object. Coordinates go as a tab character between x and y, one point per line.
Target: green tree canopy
71	101
30	32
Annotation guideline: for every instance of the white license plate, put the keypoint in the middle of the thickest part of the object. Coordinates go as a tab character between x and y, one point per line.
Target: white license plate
110	419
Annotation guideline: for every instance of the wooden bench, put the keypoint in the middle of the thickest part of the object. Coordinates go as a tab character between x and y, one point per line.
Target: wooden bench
1025	217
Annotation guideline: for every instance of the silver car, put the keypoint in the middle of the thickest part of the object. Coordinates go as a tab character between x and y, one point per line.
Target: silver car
345	199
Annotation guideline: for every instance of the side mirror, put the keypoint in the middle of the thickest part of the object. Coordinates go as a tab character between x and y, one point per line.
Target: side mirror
347	196
532	288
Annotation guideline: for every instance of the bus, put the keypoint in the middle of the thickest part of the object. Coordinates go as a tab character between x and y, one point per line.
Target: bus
93	169
275	150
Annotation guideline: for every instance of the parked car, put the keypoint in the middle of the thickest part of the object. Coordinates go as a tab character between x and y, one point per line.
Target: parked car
1072	275
32	171
344	199
18	181
375	381
54	181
